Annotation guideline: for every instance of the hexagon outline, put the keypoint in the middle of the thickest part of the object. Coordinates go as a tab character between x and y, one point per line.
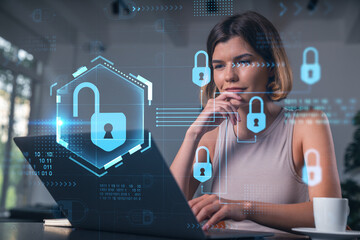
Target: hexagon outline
117	159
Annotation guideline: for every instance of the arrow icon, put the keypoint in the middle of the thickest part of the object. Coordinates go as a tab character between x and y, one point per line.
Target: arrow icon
299	8
284	9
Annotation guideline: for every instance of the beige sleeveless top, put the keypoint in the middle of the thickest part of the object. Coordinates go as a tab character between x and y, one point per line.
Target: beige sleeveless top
262	171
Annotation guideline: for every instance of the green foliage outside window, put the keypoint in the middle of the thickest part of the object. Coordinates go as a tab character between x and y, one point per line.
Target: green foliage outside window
350	188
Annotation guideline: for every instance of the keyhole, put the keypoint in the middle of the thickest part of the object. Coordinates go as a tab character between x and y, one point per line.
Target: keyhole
108	128
256	122
202	170
311	175
201	75
310	73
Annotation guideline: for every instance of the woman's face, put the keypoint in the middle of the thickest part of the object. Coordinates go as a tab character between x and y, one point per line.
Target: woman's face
232	62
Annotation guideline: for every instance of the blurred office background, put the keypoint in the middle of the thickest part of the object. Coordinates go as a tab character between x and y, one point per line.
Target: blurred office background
44	42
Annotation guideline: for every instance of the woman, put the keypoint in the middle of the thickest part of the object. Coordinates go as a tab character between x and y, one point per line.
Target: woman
257	178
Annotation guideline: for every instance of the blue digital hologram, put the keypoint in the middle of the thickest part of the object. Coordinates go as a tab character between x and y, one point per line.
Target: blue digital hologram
80	71
202	171
256	122
201	75
310	72
76	97
51	87
312	174
108	130
95	112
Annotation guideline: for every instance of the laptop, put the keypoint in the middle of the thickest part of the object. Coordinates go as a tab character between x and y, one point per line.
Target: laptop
137	196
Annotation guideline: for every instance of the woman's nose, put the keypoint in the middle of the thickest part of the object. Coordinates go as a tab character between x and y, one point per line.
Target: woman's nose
231	73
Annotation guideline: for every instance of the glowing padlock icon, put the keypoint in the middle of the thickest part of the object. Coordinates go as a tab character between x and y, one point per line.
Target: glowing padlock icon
201	75
202	171
256	122
108	130
312	175
310	72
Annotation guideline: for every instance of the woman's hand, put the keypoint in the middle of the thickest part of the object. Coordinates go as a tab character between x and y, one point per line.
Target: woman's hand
216	209
216	111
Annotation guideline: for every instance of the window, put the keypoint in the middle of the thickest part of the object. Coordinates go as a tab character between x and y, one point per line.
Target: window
15	95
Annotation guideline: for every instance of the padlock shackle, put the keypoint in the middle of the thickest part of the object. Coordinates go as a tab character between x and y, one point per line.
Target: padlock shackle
317	155
207	153
261	104
206	58
76	98
316	54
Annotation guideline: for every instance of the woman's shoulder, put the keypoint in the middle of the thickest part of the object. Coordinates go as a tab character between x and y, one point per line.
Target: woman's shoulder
310	122
311	128
310	117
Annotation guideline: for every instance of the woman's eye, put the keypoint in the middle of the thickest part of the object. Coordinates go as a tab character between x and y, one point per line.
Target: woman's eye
244	61
218	66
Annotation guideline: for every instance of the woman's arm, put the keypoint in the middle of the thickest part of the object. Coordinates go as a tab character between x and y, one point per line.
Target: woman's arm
201	133
181	168
311	130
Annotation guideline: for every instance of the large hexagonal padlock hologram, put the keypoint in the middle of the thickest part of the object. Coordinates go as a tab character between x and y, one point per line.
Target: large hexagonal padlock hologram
108	130
95	112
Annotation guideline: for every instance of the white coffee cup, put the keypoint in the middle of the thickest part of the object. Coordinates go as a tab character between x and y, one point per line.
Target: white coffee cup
331	214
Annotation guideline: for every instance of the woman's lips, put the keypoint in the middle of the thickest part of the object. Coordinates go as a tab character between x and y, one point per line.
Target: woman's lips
235	89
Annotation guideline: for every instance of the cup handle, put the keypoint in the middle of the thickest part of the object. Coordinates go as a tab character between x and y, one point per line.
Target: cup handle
348	210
